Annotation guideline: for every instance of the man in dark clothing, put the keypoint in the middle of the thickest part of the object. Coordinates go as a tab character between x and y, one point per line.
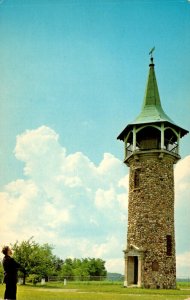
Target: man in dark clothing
10	273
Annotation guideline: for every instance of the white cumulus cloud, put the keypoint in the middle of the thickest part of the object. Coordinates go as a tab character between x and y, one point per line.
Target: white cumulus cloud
183	264
64	199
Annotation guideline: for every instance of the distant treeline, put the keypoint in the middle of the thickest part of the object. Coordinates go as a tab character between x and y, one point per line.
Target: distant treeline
38	262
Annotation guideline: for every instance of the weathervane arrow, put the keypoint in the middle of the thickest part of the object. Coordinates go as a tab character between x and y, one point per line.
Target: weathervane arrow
150	53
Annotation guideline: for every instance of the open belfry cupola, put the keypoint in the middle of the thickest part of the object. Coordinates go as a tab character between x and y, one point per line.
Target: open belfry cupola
152	129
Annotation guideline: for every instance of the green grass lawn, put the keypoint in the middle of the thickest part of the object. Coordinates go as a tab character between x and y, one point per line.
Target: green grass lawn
94	291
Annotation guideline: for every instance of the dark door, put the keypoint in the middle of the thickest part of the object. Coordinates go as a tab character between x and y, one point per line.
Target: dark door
135	269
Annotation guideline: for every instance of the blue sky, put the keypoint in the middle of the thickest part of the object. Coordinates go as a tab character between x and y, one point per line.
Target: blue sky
72	76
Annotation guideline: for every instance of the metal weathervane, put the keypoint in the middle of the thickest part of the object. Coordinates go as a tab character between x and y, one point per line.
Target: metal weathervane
151	51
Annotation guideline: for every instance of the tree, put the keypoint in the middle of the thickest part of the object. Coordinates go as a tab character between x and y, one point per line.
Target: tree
67	268
57	264
22	253
82	269
96	268
38	261
34	258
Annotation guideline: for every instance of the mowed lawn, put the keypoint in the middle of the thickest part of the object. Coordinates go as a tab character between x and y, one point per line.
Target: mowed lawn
95	291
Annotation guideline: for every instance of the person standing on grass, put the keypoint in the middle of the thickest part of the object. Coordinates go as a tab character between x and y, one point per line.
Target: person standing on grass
10	267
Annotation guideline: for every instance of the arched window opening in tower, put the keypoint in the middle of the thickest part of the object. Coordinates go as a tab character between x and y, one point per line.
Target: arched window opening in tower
148	138
170	141
169	245
137	178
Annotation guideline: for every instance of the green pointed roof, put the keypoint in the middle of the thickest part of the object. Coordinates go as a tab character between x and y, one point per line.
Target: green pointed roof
152	110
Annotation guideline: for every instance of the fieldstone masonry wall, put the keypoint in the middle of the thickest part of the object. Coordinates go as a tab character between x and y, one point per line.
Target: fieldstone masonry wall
151	218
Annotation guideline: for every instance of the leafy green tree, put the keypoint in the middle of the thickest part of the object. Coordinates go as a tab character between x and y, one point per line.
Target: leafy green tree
67	269
42	260
34	258
96	267
80	270
57	264
22	253
38	262
83	269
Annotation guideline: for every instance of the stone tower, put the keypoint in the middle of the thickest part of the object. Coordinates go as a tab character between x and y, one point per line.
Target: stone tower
151	149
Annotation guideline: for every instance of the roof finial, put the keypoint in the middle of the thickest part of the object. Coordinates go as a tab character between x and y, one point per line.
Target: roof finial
151	57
